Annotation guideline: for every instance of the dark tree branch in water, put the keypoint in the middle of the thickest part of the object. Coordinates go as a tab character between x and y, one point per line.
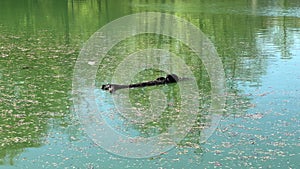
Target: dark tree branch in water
171	78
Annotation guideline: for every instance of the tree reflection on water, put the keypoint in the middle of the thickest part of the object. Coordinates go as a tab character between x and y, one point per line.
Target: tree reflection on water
40	41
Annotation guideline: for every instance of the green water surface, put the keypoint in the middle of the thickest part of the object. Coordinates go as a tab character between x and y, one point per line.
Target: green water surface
259	45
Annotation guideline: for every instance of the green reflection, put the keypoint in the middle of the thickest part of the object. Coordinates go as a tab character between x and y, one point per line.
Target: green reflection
40	41
139	98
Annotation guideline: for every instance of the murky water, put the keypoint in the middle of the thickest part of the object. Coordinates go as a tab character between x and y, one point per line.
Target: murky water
259	46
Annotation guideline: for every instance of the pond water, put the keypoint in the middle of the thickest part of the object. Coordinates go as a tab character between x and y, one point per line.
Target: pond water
258	43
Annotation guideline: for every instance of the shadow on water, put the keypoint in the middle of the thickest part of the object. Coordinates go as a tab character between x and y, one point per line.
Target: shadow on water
40	41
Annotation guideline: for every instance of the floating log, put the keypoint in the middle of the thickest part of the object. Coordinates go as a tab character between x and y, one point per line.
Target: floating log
170	78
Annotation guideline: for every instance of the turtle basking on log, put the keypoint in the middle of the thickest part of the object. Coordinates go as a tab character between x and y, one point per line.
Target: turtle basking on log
170	78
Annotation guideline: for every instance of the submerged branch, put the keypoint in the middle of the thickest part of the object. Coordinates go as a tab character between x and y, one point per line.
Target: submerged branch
171	78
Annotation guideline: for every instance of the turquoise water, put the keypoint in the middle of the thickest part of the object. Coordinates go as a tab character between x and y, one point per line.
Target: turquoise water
258	43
